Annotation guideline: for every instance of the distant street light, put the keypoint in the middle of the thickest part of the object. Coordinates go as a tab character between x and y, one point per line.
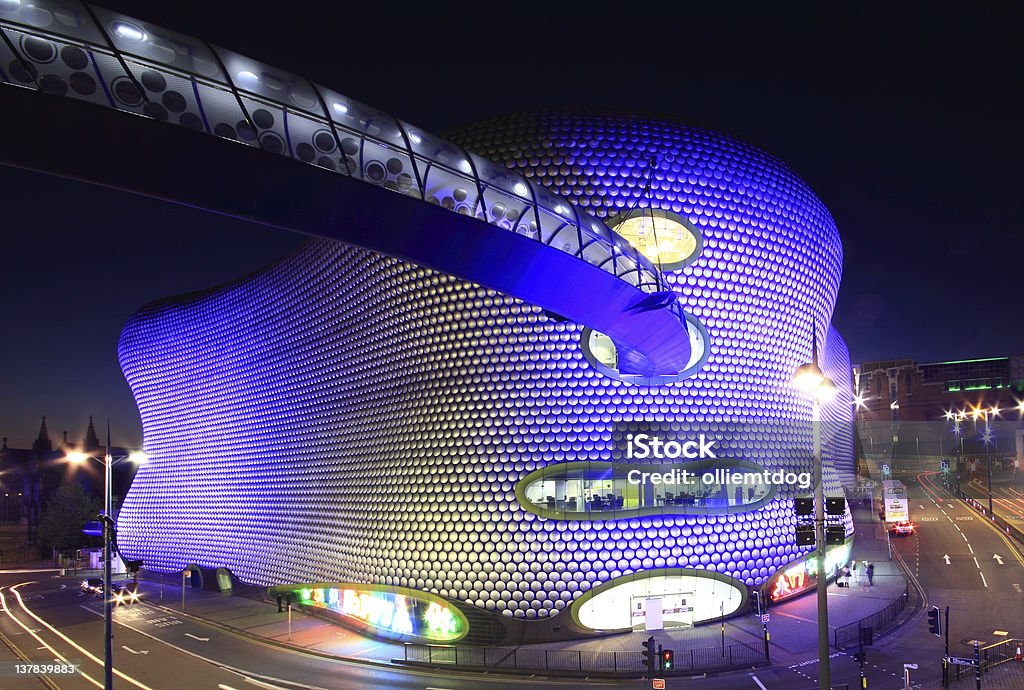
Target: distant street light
108	525
809	379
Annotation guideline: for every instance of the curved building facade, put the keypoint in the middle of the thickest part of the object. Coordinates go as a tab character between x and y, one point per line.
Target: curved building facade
415	451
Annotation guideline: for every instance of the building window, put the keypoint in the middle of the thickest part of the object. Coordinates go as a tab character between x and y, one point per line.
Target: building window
664	237
605	490
600	351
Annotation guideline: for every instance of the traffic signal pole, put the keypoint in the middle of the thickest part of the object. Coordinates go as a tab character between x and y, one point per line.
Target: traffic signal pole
945	659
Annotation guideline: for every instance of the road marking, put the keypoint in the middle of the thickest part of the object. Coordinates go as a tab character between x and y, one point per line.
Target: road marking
3	607
132	651
983	580
1017	587
756	680
1001	633
976	563
58	633
947	558
201	639
971	548
268	686
964	517
998	559
958	528
964	536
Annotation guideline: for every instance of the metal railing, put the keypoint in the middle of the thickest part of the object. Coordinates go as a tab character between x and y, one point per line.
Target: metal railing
76	50
849	635
575	661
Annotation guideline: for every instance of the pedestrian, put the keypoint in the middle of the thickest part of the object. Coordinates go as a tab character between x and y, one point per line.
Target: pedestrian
871	574
856	573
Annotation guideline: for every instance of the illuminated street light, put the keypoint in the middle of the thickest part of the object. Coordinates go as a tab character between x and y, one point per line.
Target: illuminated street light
810	379
108	524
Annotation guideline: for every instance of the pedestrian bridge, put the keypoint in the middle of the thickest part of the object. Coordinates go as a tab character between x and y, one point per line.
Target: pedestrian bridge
116	101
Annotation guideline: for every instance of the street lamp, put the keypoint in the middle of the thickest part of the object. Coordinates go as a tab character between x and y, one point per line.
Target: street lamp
108	525
811	380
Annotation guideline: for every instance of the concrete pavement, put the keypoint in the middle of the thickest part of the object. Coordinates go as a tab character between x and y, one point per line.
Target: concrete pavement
793	625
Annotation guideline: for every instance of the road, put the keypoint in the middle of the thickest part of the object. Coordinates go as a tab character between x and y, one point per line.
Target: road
46	618
982	580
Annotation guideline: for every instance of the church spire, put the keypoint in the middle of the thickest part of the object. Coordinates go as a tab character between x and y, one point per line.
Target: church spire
91	441
43	444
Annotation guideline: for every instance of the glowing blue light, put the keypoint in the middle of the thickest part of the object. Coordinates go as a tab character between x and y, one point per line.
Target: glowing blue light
341	108
246	75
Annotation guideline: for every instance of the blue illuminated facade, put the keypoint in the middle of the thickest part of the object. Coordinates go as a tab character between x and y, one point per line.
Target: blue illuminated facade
343	416
416	448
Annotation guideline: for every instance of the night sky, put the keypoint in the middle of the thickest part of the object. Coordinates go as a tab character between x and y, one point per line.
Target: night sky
906	123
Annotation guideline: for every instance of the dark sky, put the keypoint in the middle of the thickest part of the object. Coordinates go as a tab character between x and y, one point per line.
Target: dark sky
905	121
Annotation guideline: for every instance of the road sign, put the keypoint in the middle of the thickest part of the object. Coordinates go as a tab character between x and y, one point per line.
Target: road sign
961	661
658	683
765	617
886	469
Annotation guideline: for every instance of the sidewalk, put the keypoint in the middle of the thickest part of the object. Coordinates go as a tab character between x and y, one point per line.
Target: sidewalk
793	625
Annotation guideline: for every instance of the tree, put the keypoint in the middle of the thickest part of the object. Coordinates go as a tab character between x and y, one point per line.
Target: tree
65	515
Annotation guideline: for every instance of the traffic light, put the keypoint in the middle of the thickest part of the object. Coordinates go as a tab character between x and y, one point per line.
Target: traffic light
667	660
935	622
867	636
649	655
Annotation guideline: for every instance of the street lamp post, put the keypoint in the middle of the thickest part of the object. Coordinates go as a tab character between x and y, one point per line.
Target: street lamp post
810	379
108	526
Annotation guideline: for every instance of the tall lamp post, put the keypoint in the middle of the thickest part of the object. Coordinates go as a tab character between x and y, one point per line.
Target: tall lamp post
811	380
108	526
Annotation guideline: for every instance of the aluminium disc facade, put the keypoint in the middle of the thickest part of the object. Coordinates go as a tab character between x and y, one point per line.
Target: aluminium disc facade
347	417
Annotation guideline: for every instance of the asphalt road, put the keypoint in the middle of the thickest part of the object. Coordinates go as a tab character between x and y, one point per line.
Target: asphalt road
48	620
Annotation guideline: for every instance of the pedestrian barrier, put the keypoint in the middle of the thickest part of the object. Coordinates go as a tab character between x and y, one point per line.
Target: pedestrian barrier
849	635
576	661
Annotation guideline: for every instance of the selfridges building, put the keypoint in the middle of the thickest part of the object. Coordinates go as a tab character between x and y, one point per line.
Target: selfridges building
427	458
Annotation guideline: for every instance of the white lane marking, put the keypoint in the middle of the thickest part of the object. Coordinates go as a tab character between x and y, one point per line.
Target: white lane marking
971	548
958	528
132	651
964	536
58	633
983	580
261	684
201	639
976	563
756	680
3	607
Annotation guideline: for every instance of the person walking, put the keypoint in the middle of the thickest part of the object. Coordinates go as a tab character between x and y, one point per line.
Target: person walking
856	573
870	570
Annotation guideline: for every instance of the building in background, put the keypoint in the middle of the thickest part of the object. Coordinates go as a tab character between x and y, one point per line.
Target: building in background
906	390
28	476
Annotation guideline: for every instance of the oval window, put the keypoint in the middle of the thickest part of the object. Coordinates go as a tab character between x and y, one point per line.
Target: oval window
666	238
600	490
600	351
